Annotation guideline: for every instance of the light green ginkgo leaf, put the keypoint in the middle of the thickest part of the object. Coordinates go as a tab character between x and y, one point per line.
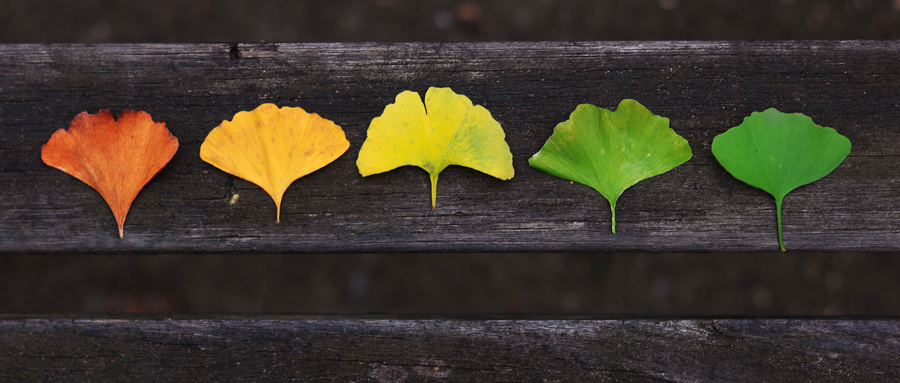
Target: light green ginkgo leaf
611	151
779	152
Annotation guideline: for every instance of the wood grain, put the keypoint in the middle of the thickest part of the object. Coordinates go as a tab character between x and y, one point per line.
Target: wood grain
312	349
703	87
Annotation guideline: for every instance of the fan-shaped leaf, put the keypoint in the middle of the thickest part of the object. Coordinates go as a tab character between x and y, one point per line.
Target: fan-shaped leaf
272	147
116	158
611	151
446	130
779	152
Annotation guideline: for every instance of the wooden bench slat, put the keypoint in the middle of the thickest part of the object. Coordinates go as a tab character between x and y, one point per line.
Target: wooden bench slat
451	350
703	87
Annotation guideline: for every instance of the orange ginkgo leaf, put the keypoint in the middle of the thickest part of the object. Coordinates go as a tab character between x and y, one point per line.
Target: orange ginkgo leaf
272	147
116	158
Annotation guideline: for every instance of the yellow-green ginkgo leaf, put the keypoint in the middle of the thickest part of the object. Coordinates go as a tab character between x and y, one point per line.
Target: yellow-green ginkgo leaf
273	147
446	130
611	151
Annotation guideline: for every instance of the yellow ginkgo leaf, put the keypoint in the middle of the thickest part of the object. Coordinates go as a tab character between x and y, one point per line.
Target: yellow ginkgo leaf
273	147
446	130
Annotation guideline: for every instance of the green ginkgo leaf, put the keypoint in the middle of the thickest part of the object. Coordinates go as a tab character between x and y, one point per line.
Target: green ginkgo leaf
779	152
610	151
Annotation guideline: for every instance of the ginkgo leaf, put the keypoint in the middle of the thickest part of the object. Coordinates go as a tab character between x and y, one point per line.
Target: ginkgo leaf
446	130
779	152
116	158
272	147
611	151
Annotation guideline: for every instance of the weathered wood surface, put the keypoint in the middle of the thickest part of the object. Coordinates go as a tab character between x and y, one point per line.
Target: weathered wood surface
392	350
703	87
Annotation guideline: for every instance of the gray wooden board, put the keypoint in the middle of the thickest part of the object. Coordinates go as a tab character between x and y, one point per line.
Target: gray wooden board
703	87
451	350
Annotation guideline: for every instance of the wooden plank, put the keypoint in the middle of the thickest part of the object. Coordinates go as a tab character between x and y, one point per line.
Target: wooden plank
451	350
703	87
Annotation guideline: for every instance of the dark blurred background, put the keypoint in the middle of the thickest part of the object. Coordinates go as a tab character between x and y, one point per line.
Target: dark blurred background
443	20
457	284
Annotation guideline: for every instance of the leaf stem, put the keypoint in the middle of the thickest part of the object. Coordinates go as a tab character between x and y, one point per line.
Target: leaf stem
612	207
277	199
434	178
778	214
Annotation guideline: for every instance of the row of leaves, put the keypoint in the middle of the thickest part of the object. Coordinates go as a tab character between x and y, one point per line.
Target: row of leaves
608	151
